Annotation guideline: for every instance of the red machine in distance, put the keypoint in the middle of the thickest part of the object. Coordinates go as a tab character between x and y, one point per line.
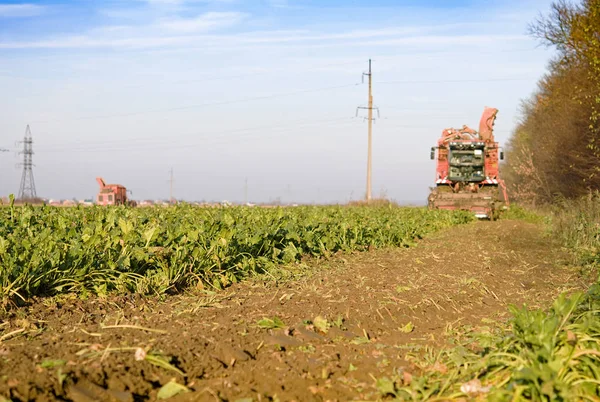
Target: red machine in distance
112	194
467	172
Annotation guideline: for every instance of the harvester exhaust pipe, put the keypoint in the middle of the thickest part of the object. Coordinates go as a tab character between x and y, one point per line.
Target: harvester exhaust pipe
486	124
101	182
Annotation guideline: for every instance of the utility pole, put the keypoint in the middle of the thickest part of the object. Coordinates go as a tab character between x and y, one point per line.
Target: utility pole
27	187
171	186
246	191
369	161
370	125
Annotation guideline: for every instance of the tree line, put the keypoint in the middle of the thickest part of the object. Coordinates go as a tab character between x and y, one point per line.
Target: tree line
555	150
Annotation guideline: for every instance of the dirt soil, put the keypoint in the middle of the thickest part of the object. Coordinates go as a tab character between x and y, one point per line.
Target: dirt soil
342	327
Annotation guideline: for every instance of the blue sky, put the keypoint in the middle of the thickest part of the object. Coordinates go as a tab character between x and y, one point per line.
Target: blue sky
228	90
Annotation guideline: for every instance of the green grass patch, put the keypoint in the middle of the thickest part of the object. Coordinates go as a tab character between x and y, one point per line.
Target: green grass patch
541	356
577	224
526	214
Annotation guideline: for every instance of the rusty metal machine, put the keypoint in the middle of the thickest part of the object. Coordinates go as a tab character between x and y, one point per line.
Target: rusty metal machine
112	194
467	173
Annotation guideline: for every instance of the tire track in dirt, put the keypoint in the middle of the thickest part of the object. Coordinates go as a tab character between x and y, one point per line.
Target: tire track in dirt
343	327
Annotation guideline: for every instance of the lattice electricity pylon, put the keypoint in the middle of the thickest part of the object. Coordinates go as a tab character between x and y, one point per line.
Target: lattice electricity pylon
27	188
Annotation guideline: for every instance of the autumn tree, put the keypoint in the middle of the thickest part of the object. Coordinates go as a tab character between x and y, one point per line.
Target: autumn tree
555	150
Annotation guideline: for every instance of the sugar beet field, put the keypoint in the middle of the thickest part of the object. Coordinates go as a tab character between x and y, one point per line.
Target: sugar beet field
329	303
48	251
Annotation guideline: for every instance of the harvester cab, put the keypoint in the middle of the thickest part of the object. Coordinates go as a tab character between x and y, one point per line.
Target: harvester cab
467	174
466	161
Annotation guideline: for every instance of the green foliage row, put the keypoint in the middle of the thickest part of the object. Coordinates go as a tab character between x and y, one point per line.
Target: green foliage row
541	356
47	250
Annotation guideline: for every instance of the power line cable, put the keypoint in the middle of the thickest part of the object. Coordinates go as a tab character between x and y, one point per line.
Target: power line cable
168	144
196	135
273	96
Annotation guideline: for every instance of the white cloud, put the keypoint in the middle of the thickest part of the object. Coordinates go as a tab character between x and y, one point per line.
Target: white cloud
236	41
204	22
20	10
185	32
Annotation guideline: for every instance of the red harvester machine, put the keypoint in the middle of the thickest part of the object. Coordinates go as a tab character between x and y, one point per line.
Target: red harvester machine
112	194
467	170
